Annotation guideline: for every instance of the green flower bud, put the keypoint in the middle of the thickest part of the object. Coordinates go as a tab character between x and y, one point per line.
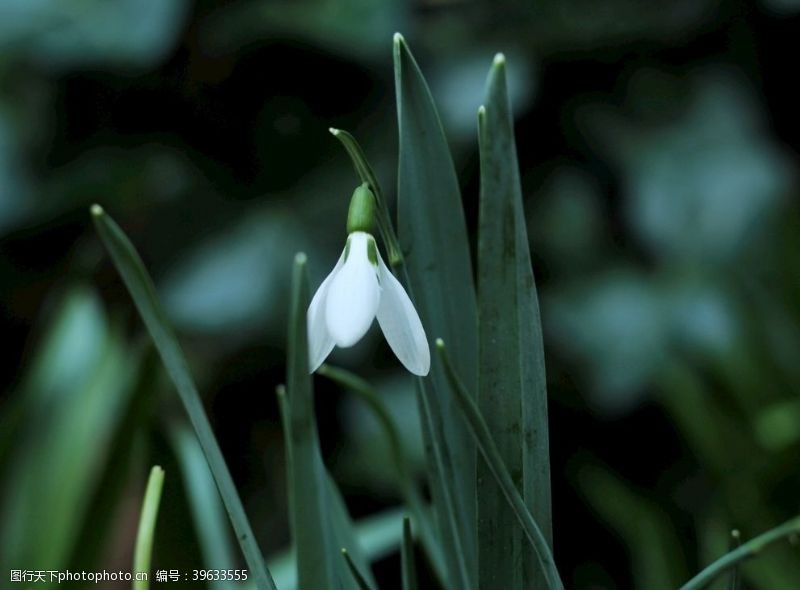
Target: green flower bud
361	216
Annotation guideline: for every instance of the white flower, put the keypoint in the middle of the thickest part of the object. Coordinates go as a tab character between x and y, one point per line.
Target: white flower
358	289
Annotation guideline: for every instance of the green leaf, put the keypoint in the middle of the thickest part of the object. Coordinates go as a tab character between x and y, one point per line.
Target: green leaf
735	579
407	557
319	520
142	290
143	551
491	454
433	237
408	486
208	513
359	579
512	393
378	535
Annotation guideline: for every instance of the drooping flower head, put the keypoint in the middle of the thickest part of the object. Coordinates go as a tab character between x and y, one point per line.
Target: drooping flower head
360	288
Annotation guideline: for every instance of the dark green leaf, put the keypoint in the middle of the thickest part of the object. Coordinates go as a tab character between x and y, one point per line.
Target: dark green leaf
433	237
378	535
208	513
408	486
319	520
735	580
491	454
407	557
362	583
512	394
142	290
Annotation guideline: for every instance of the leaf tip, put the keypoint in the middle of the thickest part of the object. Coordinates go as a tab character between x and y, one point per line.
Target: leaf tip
334	131
96	210
300	259
280	391
499	60
398	39
440	344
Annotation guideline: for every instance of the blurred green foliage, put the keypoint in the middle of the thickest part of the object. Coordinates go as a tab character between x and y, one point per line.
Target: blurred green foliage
657	148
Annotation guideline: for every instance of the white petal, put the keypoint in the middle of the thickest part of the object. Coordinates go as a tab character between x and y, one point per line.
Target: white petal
401	324
353	294
320	342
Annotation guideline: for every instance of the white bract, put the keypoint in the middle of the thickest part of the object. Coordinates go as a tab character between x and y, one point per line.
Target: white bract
360	288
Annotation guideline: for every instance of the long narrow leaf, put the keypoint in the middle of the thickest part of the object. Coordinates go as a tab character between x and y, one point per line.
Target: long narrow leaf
735	580
142	290
208	513
319	520
407	557
405	478
512	394
147	527
491	454
433	236
378	535
357	576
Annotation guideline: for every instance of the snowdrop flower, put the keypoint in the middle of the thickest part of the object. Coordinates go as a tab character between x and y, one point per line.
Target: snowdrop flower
360	288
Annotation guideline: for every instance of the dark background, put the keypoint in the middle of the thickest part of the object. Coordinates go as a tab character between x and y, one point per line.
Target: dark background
657	144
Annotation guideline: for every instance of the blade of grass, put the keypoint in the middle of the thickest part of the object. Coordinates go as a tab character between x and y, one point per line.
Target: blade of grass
408	487
752	548
208	513
433	238
362	583
143	292
491	454
407	557
512	392
735	582
319	520
143	551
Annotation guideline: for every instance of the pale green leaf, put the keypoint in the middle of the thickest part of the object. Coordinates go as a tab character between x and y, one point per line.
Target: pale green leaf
143	551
